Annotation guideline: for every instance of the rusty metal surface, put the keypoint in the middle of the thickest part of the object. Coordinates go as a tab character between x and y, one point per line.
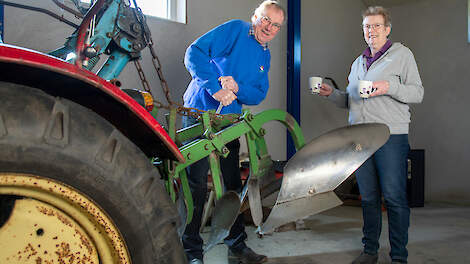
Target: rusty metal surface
110	245
39	233
290	121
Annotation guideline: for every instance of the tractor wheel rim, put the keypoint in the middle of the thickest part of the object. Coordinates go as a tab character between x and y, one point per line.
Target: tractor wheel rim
98	236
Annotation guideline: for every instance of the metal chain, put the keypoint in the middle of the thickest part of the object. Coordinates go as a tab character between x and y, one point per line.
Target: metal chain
180	109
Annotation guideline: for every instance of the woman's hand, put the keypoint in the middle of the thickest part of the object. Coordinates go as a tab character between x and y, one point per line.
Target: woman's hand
325	89
381	87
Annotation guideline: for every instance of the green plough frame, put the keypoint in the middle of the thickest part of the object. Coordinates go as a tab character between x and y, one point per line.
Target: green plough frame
208	139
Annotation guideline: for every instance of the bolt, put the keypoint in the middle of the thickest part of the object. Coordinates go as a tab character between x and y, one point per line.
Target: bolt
90	52
311	191
262	131
206	147
225	150
188	156
137	46
358	147
109	35
211	135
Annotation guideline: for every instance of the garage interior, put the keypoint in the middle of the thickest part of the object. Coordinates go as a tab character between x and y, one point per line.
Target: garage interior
438	33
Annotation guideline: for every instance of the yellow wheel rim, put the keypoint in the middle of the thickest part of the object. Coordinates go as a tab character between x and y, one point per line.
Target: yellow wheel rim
55	222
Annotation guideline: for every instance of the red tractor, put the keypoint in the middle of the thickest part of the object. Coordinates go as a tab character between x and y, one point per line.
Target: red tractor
76	181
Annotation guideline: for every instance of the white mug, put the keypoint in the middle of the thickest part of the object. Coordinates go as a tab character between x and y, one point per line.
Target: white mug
365	88
314	84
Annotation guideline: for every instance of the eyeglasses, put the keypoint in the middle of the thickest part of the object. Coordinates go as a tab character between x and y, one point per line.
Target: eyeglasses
267	21
374	26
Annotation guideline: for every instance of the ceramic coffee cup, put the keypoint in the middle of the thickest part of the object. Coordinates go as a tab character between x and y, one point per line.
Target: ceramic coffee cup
315	84
365	88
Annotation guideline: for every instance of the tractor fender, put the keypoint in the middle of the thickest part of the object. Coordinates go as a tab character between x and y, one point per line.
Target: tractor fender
62	79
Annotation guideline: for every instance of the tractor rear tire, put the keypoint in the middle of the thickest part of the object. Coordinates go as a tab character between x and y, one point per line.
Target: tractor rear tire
54	138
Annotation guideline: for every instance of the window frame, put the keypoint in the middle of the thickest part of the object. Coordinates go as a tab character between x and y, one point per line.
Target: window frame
176	11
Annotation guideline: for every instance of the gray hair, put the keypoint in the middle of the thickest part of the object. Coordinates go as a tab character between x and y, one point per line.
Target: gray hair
261	9
378	10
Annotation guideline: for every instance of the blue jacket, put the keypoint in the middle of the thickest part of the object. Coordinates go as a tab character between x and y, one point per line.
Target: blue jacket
227	50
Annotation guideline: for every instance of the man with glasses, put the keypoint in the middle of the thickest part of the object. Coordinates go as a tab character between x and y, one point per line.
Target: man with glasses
394	73
229	67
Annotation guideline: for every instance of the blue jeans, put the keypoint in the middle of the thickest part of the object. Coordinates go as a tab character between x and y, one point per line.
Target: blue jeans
197	178
385	174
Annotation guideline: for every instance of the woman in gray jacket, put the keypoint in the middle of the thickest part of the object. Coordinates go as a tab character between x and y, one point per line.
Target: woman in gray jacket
396	83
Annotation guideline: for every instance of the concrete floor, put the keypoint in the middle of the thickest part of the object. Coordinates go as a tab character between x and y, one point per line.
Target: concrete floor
438	234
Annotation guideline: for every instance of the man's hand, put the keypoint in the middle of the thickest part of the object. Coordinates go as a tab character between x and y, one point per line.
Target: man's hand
325	89
224	96
229	83
381	88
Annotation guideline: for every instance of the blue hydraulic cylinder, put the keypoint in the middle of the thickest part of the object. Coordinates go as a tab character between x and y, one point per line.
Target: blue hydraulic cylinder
114	65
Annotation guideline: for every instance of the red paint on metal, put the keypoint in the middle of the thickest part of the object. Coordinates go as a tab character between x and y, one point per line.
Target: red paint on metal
13	54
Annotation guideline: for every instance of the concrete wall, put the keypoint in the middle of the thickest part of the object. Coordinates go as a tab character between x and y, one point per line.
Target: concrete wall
435	30
331	40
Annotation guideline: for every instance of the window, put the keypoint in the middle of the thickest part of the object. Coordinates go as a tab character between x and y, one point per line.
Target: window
174	10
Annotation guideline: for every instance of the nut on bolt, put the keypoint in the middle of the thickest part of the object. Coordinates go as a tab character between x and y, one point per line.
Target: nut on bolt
225	150
137	46
358	147
262	131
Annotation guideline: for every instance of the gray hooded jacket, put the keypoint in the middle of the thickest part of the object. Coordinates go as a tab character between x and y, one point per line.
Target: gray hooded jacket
397	66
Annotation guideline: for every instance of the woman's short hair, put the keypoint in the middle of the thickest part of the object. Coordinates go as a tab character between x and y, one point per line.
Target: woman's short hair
378	10
260	10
